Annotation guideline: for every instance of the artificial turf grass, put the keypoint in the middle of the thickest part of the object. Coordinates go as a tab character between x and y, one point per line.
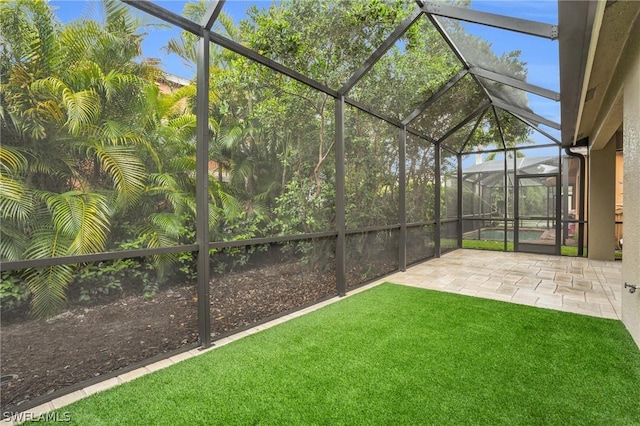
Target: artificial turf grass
396	355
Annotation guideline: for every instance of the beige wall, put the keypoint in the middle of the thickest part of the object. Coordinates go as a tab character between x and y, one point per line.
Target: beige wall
619	198
602	202
631	141
619	178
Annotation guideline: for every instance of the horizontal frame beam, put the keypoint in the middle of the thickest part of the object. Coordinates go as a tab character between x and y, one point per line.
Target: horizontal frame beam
97	257
537	129
271	240
263	60
418	133
468	218
518	148
372	229
165	15
518	25
514	82
372	111
419	224
446	148
526	114
447	38
450	220
424	105
187	25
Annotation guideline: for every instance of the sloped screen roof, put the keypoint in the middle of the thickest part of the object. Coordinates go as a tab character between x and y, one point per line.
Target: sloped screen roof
430	66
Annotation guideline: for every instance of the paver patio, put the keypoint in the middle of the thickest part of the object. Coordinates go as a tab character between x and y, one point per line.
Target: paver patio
578	285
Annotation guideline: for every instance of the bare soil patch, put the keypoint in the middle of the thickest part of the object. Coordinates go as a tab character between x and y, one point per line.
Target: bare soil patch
88	341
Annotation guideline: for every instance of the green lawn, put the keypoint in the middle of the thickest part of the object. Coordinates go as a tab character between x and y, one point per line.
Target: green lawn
499	246
486	245
396	355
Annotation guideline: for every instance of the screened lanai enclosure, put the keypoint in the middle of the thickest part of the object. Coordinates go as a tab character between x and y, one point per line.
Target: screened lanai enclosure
177	171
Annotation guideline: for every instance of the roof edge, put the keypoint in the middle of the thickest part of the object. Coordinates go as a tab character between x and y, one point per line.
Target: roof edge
579	27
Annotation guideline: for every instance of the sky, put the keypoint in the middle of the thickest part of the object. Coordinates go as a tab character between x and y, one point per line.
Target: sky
541	55
68	10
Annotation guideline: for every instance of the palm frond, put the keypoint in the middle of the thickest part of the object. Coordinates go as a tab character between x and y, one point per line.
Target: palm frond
53	111
268	192
183	48
163	230
82	108
187	92
15	202
215	214
125	170
229	204
115	83
162	181
46	242
185	164
182	122
226	25
214	126
83	218
41	47
13	241
86	73
78	39
49	86
231	137
48	288
258	208
113	130
119	18
241	171
169	223
12	160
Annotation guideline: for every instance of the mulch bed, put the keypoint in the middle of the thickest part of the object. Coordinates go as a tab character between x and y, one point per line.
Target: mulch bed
88	341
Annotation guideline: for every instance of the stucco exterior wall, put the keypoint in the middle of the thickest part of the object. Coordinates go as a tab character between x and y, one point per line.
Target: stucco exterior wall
619	198
631	141
602	202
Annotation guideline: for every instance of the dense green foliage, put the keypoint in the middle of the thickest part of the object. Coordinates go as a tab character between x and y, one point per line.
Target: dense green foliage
396	355
95	157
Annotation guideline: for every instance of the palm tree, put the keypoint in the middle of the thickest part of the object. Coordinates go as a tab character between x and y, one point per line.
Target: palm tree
72	153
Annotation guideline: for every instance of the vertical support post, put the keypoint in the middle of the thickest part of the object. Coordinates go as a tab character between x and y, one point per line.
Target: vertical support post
340	199
581	207
548	205
506	167
438	242
459	213
202	188
565	196
506	199
402	198
558	201
516	204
